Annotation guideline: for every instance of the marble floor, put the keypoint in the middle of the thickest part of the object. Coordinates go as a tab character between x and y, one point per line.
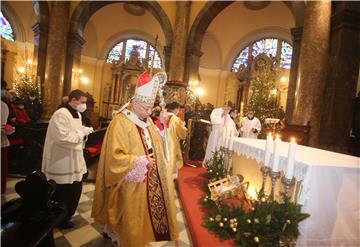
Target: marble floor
87	233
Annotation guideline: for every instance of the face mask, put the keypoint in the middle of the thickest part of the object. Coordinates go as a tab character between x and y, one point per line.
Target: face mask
250	117
32	98
81	107
21	107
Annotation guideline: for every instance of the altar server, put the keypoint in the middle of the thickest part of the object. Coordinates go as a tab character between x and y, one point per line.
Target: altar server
220	121
251	125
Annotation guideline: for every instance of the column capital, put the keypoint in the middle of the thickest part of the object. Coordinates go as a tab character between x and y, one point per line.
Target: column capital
296	33
76	38
192	51
346	19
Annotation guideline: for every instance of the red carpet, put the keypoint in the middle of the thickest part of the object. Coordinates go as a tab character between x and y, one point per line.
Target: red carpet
190	183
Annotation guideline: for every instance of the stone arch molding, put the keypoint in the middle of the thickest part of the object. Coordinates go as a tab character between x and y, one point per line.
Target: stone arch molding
14	20
85	10
129	34
267	32
201	23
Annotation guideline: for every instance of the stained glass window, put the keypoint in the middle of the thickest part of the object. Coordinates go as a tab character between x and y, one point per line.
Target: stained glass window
269	46
286	53
6	30
241	59
115	53
144	48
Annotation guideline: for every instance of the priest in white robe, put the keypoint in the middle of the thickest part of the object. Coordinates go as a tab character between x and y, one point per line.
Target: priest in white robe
221	123
251	126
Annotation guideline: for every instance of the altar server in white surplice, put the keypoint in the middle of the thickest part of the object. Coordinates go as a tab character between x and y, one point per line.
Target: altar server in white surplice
251	126
220	119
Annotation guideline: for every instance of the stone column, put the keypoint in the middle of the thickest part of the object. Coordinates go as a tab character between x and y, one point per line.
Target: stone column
75	43
178	48
296	34
41	37
312	67
55	58
192	63
167	52
342	78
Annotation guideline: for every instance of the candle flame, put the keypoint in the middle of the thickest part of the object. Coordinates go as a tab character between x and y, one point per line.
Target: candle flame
270	134
293	139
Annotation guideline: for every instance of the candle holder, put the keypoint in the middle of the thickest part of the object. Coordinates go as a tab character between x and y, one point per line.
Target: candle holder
288	183
274	178
265	171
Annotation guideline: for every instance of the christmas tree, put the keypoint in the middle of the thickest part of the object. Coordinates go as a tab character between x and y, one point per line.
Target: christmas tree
25	83
264	94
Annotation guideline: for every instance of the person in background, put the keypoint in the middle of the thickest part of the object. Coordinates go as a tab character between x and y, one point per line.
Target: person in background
220	118
251	125
5	97
64	101
22	118
176	131
5	130
33	107
63	159
155	113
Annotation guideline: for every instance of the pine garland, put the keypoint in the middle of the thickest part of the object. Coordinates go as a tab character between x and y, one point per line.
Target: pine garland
266	224
216	167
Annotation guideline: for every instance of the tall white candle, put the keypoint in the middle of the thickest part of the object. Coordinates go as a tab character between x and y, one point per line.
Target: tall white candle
291	159
268	149
276	160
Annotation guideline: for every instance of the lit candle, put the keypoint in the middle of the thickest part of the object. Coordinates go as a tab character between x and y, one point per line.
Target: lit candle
291	159
268	149
276	160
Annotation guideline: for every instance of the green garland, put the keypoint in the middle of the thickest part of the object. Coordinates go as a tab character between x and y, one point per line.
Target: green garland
216	167
267	224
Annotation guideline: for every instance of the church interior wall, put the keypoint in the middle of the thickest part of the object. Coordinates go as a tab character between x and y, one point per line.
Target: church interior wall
169	8
22	21
195	8
229	32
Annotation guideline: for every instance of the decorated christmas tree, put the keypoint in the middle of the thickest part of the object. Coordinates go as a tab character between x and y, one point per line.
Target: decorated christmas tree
264	93
25	80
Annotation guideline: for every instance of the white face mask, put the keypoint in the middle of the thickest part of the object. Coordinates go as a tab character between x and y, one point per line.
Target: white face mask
81	107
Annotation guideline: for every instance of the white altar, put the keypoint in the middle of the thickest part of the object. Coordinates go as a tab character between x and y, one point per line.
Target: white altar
329	189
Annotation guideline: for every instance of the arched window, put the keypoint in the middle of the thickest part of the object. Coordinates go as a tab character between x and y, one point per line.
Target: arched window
270	46
124	48
6	29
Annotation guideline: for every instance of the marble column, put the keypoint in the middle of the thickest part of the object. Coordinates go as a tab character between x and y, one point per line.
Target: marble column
312	67
296	34
342	77
192	64
178	48
75	43
40	31
167	52
55	57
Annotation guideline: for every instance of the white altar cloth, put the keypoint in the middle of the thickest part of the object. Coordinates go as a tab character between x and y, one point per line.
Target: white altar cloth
330	191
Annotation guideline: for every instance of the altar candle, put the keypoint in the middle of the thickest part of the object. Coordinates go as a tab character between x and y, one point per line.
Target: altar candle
291	159
268	148
276	160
